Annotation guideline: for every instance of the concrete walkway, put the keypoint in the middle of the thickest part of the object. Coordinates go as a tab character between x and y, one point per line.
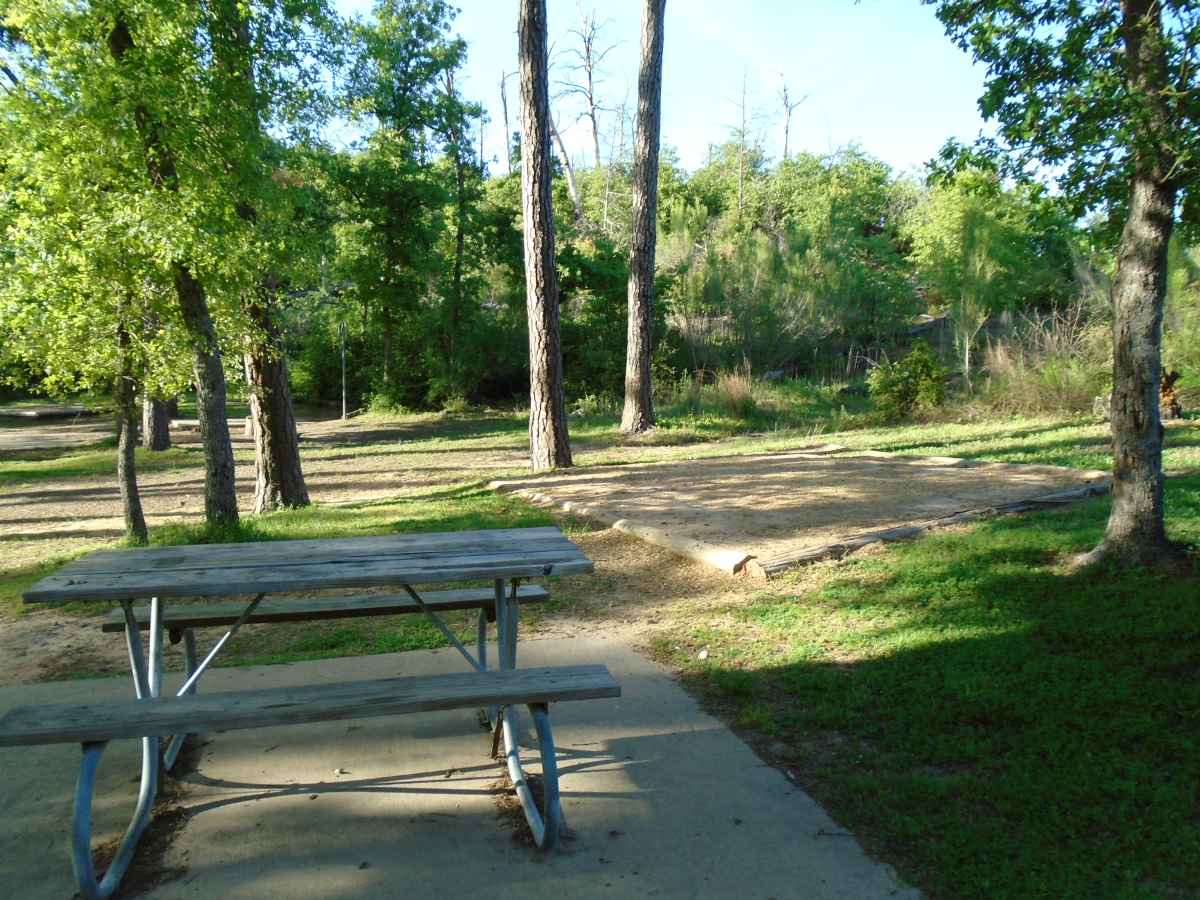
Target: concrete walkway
663	801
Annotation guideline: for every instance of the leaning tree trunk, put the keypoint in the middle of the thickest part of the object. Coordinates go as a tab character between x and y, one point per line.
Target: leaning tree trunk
549	443
220	493
127	427
1136	533
156	424
638	414
220	489
569	171
279	478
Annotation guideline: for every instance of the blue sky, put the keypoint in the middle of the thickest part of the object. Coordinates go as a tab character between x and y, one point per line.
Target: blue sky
880	73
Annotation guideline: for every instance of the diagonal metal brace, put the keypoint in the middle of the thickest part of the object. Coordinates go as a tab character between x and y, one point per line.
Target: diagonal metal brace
443	628
199	670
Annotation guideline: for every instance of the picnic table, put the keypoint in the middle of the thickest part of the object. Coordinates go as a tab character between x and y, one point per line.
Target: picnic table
217	572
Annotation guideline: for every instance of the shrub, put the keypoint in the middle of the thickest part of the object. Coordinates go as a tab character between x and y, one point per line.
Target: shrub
595	405
917	380
382	406
455	405
735	395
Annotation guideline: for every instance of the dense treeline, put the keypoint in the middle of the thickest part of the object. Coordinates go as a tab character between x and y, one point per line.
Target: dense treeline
405	250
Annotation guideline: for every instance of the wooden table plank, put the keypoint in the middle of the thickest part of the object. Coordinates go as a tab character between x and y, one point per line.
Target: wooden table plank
315	551
274	567
205	615
109	720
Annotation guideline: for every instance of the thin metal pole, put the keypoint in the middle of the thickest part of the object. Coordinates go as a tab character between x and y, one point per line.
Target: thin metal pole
156	647
546	824
513	616
81	832
173	746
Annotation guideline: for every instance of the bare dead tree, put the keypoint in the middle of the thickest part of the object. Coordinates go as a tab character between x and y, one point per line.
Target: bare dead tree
789	107
589	55
504	76
568	170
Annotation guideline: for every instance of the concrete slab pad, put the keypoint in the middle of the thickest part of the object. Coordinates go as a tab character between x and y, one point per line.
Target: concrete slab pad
662	799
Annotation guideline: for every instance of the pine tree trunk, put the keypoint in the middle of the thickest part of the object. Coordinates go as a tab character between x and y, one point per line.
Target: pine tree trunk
279	478
549	443
156	424
127	427
220	489
1136	533
638	415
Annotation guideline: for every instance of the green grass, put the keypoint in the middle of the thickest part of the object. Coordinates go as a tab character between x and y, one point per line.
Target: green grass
985	717
94	462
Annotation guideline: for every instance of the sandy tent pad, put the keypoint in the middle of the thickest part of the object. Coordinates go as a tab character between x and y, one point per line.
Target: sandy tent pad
765	513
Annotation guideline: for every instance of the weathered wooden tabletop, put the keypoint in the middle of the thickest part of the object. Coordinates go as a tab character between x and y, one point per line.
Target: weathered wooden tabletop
218	570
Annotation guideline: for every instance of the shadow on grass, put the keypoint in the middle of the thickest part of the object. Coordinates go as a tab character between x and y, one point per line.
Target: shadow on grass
987	719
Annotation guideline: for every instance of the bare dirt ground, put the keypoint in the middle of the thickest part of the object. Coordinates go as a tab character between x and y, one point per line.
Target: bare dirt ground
728	511
47	519
23	434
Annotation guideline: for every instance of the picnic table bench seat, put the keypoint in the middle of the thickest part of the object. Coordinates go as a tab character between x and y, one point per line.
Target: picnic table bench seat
267	707
182	616
93	725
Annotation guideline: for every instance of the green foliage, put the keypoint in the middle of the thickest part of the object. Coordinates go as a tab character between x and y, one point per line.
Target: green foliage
980	249
1181	320
916	381
1057	87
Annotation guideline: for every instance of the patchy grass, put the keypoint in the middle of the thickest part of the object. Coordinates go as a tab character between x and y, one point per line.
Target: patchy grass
991	721
96	461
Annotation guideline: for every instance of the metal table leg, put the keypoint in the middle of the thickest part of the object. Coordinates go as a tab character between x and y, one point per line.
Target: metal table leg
81	833
545	823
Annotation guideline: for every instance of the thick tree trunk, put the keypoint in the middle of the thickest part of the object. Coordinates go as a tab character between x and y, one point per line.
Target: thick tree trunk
1136	533
127	426
220	489
638	414
279	478
156	424
549	443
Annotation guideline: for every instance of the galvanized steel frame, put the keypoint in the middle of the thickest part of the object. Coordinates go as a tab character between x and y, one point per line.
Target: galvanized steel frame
159	756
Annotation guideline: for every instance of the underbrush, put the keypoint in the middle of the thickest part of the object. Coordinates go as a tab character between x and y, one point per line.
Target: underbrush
1057	364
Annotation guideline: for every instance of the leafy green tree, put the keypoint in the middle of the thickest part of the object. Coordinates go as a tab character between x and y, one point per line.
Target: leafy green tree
979	250
139	108
1104	95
